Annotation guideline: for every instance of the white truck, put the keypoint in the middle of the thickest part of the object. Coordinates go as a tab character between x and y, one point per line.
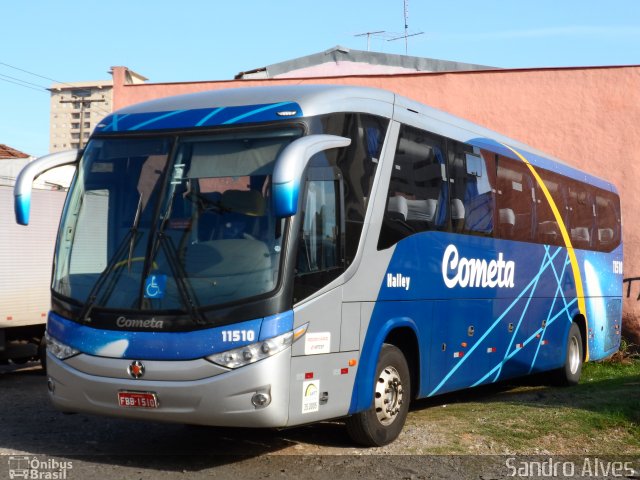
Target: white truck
26	255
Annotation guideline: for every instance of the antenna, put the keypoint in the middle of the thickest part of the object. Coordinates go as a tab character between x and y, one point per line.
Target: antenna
369	34
406	29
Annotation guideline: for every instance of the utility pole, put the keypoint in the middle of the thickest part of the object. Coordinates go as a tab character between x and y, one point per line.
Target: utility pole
83	100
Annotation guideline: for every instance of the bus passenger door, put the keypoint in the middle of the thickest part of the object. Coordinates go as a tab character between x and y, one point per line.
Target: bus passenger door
321	381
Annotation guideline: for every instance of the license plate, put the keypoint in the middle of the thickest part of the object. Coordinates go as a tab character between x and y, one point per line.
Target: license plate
138	400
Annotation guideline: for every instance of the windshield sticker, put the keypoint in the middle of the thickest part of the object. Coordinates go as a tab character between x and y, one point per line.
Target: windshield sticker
317	342
155	286
310	396
102	167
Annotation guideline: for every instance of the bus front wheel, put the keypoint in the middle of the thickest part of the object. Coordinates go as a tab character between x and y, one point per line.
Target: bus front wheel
381	424
570	373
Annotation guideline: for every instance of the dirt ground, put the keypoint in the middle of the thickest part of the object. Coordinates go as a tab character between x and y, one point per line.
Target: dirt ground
113	448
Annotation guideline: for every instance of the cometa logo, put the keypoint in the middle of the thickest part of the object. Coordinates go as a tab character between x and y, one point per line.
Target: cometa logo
124	322
474	272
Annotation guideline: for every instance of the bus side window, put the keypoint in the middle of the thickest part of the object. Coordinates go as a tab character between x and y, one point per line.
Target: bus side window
320	256
472	185
582	216
417	197
516	195
547	228
608	221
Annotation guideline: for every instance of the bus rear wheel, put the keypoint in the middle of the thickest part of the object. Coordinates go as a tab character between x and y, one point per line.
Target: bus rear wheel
382	423
570	373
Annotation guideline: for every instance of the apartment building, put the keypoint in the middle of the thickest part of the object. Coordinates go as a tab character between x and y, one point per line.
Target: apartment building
76	108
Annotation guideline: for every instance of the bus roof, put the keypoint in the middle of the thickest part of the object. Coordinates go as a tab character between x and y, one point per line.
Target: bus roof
272	103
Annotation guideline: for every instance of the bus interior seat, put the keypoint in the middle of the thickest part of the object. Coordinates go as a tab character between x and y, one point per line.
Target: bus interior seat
605	236
479	212
209	216
246	202
580	237
422	210
397	209
548	232
457	214
507	222
241	212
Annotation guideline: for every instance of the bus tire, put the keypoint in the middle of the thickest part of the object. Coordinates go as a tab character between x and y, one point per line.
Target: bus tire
569	374
382	423
42	354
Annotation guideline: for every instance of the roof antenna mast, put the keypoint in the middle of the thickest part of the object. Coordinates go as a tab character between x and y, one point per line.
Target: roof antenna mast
369	35
406	29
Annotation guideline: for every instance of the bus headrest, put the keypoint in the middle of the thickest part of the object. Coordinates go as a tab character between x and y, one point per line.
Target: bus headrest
507	216
457	209
398	206
246	202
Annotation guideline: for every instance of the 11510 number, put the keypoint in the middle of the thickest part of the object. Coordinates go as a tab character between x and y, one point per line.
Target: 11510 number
238	335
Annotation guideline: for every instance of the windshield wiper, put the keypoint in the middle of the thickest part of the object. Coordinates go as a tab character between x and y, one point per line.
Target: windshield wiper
131	236
134	231
187	294
185	291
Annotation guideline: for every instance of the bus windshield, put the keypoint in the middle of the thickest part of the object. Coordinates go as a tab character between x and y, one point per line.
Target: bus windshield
172	224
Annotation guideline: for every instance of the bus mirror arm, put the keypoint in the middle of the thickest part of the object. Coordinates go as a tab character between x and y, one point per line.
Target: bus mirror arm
24	182
290	166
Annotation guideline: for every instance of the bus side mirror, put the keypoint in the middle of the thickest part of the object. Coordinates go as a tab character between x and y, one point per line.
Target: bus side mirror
24	182
290	166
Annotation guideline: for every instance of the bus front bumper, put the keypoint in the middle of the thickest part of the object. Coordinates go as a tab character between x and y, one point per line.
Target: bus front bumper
224	398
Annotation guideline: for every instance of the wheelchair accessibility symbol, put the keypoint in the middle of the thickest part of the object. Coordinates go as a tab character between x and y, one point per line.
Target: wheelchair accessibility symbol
155	286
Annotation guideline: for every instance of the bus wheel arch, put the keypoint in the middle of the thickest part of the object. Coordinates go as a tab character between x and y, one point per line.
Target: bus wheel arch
381	423
569	373
405	339
581	321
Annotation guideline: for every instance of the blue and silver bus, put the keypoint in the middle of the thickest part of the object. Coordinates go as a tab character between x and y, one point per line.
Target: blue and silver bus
275	256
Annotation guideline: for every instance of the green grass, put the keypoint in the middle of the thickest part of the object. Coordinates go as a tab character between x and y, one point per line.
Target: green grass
600	415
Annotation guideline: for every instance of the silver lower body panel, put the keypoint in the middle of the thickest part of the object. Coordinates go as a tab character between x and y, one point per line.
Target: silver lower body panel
220	400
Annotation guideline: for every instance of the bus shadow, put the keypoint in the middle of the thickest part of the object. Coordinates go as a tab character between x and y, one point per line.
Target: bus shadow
539	392
31	424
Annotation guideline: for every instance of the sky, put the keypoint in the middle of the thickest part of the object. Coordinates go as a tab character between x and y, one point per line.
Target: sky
190	40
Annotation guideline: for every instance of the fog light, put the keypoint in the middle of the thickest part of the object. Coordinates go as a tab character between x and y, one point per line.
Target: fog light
51	386
261	400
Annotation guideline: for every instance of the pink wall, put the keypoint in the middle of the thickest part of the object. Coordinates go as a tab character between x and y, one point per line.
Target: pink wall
588	117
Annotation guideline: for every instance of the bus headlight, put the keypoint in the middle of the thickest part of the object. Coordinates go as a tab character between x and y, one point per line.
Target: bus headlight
59	349
239	357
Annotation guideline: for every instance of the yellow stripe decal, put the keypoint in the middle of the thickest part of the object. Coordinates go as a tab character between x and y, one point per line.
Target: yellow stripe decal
567	240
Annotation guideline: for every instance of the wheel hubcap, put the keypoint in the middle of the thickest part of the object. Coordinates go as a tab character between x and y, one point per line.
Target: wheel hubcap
388	395
574	355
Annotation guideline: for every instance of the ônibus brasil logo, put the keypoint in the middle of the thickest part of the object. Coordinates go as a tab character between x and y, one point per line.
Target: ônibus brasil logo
475	272
21	466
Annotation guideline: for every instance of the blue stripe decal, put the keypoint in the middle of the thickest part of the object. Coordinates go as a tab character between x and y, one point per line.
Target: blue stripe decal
524	310
525	343
208	116
495	323
157	345
156	119
255	112
198	117
553	304
113	126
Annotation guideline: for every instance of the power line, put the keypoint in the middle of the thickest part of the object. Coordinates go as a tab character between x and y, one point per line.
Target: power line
43	90
22	81
34	74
